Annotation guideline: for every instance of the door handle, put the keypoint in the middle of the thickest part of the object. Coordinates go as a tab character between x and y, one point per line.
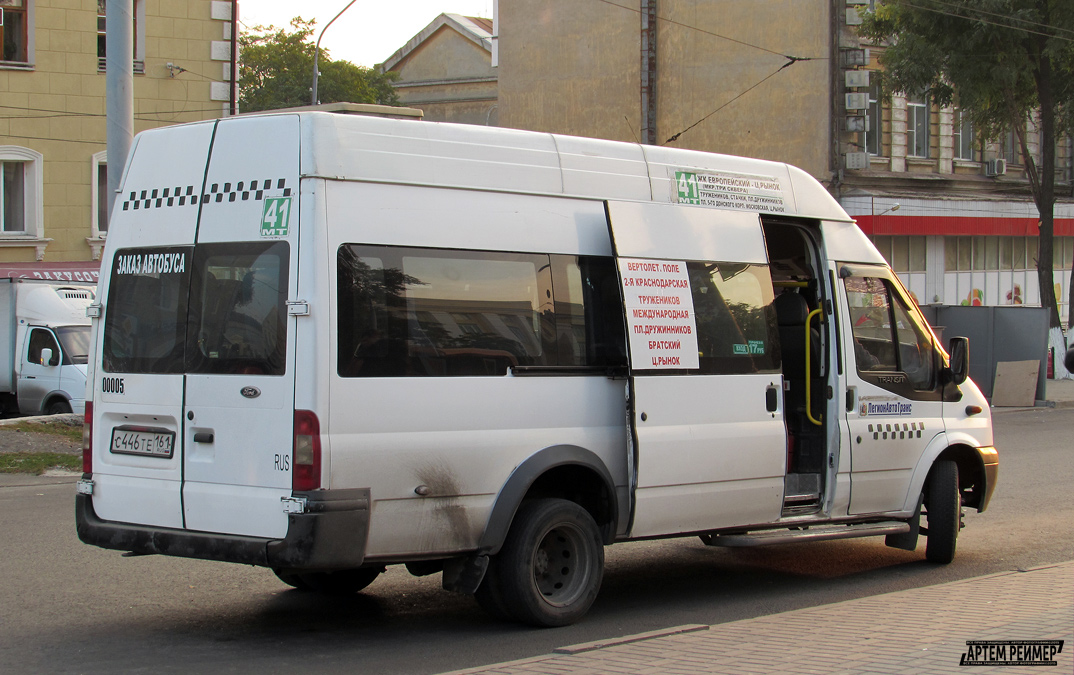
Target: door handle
203	437
771	398
852	398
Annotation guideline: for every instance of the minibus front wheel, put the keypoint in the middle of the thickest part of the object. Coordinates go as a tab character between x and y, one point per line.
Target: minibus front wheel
550	568
943	504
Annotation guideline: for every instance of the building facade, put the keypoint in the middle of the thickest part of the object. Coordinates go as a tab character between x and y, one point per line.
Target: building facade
447	71
790	81
53	127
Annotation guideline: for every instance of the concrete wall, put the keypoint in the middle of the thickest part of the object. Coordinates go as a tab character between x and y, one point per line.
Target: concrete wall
57	108
574	68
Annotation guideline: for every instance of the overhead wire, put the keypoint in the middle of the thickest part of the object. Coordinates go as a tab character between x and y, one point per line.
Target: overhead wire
987	22
1002	16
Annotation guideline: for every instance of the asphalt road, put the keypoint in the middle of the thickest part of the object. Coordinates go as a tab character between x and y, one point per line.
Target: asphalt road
67	607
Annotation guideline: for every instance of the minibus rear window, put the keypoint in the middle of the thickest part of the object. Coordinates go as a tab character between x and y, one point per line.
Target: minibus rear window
236	296
145	319
237	319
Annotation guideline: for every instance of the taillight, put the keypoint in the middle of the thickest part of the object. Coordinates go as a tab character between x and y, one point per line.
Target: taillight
306	455
87	439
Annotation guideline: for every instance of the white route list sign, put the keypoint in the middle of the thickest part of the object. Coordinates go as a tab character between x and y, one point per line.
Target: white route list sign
727	190
660	314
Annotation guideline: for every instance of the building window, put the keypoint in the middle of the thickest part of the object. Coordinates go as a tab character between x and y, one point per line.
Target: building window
21	210
917	126
15	35
875	120
13	197
903	253
139	35
964	136
100	197
1011	152
981	253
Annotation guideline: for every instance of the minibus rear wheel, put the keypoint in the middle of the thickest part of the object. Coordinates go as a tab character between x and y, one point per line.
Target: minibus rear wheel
551	565
943	502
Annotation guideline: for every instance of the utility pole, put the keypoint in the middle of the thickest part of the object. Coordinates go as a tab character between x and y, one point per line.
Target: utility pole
648	72
119	85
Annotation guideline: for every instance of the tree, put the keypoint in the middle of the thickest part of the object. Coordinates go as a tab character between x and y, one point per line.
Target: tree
1008	62
276	71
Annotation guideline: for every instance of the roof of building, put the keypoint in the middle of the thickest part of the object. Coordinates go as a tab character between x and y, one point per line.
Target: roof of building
475	29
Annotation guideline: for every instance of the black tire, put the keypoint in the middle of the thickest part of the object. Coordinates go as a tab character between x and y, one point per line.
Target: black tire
58	408
943	504
341	582
292	579
551	565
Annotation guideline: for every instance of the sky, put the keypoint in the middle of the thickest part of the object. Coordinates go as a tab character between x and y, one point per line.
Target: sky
367	33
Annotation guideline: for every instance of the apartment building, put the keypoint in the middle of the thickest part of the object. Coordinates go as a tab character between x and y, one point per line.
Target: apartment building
53	204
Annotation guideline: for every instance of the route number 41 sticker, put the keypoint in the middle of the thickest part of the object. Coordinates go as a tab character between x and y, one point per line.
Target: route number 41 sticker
276	217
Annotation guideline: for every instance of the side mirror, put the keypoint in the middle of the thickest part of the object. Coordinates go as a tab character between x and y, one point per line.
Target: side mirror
46	356
1069	360
959	349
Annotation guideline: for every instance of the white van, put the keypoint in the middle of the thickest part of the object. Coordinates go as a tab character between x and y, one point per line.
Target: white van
330	343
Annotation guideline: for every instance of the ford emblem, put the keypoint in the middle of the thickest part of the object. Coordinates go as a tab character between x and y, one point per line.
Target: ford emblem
250	392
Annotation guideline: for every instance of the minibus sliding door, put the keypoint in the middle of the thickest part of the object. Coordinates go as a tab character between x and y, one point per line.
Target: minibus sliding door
710	442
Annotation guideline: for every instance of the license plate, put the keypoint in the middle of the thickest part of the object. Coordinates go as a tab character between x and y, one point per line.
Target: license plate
148	442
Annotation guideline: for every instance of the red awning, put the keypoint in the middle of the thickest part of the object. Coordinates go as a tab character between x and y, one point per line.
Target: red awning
893	223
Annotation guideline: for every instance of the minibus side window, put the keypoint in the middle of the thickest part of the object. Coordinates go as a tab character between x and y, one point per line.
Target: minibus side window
238	298
145	317
735	318
408	312
589	312
888	335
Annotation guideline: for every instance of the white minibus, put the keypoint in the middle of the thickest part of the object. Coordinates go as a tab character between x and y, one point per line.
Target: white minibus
327	343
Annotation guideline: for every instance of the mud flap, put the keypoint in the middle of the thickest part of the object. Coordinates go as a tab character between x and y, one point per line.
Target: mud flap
464	575
908	540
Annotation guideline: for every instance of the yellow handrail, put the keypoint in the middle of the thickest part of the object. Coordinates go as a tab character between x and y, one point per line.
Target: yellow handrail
808	375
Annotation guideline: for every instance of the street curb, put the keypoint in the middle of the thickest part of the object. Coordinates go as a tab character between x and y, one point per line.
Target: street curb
70	419
627	639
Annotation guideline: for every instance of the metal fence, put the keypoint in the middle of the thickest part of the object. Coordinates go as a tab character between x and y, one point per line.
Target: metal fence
1011	333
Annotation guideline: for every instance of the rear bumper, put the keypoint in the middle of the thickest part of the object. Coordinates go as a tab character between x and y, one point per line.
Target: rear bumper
990	461
330	535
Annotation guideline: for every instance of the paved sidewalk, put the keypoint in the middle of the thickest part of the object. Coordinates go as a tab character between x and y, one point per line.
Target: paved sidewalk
922	631
1061	392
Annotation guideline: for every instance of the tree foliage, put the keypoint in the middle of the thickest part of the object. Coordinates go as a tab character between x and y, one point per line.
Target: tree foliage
1004	63
276	71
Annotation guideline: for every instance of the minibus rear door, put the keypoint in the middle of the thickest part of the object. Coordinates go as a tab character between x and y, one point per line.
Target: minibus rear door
137	382
239	399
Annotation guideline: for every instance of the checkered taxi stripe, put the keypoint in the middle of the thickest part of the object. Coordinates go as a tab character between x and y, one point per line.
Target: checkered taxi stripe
896	431
217	194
